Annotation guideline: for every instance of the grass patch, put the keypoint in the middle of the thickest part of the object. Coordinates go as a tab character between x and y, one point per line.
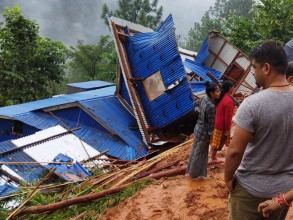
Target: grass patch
83	211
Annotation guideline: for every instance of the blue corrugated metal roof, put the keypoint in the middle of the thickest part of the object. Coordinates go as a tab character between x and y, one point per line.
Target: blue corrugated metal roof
150	52
38	119
201	70
91	84
112	113
29	172
123	91
7	189
90	130
11	111
203	52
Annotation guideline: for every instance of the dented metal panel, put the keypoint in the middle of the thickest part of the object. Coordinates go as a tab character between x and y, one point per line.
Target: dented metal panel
155	77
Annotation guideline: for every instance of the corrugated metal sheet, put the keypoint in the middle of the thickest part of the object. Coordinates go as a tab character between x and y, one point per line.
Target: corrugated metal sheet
124	92
11	111
201	70
91	84
90	130
228	53
215	44
203	52
111	112
38	119
67	144
27	172
150	52
130	25
96	135
37	149
7	189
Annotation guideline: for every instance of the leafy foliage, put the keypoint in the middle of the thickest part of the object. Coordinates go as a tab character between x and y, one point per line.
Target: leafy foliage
215	18
29	64
269	20
138	11
93	61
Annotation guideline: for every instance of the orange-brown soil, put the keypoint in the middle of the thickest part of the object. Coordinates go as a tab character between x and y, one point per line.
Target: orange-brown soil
178	197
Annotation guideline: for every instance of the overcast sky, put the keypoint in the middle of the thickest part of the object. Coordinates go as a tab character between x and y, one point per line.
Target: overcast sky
62	20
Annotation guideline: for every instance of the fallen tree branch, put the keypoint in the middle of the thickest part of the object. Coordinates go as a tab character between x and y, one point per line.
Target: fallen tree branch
94	196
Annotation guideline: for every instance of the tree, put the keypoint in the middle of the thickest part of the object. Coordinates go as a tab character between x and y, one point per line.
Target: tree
215	18
138	11
269	20
94	61
29	64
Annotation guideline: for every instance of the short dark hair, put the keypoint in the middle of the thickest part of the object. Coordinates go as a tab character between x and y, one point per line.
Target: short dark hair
210	88
273	53
290	69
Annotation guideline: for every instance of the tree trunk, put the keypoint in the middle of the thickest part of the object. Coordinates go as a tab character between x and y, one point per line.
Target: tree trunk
94	196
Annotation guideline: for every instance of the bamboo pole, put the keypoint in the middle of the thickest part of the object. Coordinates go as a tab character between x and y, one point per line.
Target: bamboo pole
144	174
32	193
95	157
94	196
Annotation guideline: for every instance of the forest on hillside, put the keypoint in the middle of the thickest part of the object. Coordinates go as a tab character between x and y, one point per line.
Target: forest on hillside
40	67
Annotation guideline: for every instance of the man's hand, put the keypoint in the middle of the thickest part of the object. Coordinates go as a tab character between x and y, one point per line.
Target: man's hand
230	184
267	207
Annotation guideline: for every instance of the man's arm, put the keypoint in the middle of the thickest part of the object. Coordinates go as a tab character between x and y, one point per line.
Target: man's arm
235	153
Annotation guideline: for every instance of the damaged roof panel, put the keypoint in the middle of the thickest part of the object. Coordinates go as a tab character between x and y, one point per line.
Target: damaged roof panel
229	60
124	144
154	74
110	112
28	172
65	143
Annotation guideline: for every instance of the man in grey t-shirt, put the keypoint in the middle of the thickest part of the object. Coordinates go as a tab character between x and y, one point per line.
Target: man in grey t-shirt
259	161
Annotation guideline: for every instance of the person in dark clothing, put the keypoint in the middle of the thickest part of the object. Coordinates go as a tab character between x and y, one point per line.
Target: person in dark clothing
198	160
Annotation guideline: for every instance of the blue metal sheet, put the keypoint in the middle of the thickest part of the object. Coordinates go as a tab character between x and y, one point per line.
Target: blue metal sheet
11	111
149	52
7	189
6	146
91	84
111	112
37	119
90	130
123	91
29	172
201	70
76	171
203	52
197	86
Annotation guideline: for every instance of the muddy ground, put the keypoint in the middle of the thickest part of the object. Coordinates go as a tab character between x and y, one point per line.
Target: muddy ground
178	197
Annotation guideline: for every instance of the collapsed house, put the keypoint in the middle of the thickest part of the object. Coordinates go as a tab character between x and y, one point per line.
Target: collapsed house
152	80
152	103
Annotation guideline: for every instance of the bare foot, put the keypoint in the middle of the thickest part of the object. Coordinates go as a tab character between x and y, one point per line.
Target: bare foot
215	161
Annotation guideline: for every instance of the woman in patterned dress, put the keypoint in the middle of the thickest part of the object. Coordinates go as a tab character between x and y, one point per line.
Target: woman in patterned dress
203	131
